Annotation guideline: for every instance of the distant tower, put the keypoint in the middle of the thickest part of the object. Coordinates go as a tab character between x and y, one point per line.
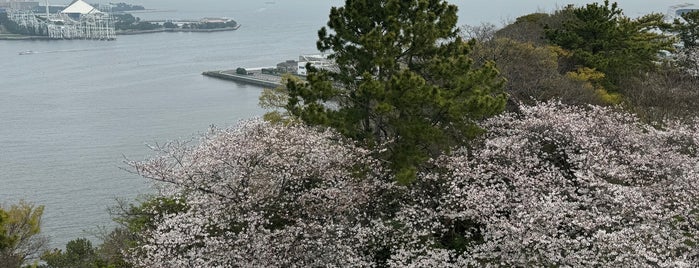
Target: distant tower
47	10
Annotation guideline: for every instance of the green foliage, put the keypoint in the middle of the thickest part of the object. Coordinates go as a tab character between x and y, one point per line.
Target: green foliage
592	79
121	7
241	70
79	254
602	38
531	28
275	99
532	72
137	218
688	28
666	95
134	220
127	21
214	25
124	21
603	58
403	81
145	26
22	226
5	239
114	245
169	25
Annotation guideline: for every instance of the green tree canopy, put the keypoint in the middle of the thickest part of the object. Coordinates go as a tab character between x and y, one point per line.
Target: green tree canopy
22	228
403	80
601	37
5	240
688	28
79	254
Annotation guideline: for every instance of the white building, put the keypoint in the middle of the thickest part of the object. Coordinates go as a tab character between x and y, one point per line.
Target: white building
79	8
319	61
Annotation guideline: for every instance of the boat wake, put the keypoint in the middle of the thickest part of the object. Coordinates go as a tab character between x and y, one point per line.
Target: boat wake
30	52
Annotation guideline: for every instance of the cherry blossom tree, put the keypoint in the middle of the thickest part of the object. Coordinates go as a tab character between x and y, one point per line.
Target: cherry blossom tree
263	195
551	185
688	60
563	186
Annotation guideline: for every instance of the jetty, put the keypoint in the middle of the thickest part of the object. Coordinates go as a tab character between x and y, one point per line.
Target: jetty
253	77
271	77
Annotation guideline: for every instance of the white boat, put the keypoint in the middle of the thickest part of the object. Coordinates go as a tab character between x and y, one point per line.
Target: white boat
28	52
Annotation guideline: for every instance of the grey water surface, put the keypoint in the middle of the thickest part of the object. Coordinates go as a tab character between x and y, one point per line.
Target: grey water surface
73	111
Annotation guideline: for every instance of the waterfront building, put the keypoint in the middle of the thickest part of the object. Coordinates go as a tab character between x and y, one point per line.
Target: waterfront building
215	20
289	66
319	61
82	21
79	8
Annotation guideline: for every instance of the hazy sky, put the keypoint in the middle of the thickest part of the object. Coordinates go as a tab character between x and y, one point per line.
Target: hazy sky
473	11
499	11
470	11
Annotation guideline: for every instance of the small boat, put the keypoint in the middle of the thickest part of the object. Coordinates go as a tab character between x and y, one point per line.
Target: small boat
27	52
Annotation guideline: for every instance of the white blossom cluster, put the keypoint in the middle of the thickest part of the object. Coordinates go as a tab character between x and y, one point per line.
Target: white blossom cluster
263	196
563	186
688	59
550	186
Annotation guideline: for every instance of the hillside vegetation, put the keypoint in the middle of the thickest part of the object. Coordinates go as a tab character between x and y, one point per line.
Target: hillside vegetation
568	139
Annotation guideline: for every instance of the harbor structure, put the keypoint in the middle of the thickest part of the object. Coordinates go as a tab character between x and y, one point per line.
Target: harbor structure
271	77
83	22
79	20
289	66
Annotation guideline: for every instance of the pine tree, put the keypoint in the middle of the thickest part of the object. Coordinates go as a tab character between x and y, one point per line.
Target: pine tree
403	80
688	29
601	37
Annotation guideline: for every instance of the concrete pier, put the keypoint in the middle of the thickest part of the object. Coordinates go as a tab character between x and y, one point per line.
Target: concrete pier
256	78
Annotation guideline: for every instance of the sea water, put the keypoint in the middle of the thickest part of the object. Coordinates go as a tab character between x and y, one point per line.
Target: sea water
74	111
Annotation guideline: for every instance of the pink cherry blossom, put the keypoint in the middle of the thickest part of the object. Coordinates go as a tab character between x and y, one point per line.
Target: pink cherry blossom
552	185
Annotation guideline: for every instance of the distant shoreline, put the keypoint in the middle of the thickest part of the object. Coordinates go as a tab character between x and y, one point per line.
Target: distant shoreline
18	37
134	32
149	11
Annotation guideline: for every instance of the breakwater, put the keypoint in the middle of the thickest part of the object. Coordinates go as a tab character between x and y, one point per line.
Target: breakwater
41	37
256	78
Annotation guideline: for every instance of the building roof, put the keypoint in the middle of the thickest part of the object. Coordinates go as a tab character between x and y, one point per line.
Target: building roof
80	7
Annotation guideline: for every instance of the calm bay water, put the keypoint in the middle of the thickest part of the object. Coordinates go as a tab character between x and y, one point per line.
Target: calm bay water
72	113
